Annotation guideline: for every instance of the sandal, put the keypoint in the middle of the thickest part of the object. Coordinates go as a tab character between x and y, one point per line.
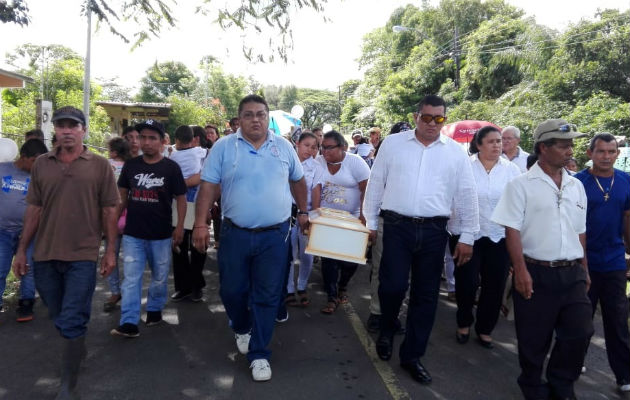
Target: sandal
330	308
304	300
290	300
343	297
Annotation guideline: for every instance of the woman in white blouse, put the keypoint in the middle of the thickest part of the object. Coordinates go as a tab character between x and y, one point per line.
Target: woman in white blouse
490	260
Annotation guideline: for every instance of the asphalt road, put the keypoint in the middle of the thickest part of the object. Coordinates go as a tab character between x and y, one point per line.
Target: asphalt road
193	356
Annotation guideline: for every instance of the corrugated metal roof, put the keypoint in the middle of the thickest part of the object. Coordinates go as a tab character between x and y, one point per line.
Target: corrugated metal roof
134	104
15	75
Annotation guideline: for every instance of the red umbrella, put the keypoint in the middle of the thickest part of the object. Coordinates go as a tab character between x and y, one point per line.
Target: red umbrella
463	131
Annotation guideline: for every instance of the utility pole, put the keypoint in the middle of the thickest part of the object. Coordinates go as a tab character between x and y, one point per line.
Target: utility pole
86	75
456	58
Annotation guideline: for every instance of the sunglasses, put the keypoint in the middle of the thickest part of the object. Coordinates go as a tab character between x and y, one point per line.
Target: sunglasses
426	118
562	128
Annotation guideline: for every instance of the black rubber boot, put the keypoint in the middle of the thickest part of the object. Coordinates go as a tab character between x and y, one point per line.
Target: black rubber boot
73	354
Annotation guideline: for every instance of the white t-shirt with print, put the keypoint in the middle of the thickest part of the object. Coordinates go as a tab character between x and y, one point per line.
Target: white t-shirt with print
341	190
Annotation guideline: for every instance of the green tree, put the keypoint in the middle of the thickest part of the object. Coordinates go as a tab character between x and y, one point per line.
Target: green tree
591	57
227	88
185	111
320	107
164	79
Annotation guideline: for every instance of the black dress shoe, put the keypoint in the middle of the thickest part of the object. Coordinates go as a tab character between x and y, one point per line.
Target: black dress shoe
384	347
374	323
485	343
462	338
418	372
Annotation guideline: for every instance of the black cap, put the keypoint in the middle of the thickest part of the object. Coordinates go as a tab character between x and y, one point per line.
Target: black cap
151	124
68	112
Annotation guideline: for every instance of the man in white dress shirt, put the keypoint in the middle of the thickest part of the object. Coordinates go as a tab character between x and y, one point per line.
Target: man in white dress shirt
511	136
417	179
544	214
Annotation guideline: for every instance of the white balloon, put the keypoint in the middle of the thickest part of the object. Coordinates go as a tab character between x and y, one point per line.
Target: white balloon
297	111
8	150
327	128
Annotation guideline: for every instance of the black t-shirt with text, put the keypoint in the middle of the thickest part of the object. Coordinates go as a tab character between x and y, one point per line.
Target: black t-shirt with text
152	188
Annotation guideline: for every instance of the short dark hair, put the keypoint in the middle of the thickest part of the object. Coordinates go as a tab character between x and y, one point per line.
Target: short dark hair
213	127
317	128
336	136
33	147
121	147
34	134
605	137
201	134
184	134
432	100
252	98
399	127
128	129
531	160
547	143
478	138
306	135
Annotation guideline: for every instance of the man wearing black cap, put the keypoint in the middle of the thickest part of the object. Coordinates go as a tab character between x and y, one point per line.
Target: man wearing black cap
544	214
148	184
72	199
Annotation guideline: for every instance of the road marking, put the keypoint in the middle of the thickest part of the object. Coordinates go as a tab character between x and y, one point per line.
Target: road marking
384	370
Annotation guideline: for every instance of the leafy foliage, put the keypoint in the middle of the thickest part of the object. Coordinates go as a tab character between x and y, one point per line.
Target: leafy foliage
164	79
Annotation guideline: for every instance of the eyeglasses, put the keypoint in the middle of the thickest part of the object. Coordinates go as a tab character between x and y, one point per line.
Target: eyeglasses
258	115
427	118
326	148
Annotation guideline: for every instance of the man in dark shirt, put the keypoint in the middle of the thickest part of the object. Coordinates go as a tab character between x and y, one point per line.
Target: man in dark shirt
607	241
147	185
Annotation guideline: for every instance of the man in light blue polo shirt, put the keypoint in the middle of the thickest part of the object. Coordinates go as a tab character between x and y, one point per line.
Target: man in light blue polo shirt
255	173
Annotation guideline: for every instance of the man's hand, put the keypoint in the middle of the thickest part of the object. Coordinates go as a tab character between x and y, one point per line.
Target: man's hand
302	219
108	263
463	253
20	267
373	235
178	236
523	283
201	238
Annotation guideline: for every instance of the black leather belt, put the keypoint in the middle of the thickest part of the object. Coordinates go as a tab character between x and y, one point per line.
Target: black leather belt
557	263
415	220
261	229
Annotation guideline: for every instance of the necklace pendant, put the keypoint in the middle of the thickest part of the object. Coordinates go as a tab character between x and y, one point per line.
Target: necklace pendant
606	196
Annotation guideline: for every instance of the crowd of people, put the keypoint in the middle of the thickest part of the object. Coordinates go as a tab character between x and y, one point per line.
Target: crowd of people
493	211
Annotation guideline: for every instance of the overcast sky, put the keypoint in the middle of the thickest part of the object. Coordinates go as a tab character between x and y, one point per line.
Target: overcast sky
324	56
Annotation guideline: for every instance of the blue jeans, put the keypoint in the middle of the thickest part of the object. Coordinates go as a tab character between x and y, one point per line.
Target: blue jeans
8	246
136	253
253	271
66	287
114	278
418	247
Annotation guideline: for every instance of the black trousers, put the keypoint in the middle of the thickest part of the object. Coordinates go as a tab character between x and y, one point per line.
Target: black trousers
187	269
559	304
490	262
609	289
417	248
336	275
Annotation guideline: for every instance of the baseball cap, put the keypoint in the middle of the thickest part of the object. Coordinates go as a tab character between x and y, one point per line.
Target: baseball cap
357	133
556	129
151	124
68	112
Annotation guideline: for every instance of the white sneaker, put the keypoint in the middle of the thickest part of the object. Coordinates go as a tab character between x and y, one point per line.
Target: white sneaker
624	388
261	370
583	370
242	342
